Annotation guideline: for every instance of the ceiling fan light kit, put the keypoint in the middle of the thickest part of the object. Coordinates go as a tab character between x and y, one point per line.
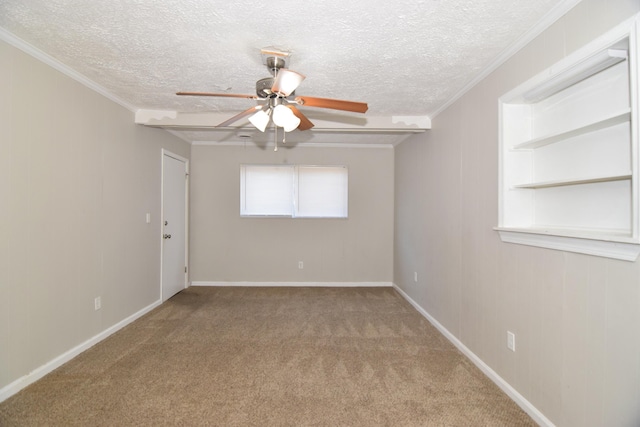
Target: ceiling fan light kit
260	119
275	90
284	117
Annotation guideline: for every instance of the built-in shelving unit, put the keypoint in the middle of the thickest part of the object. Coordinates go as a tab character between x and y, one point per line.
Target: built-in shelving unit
569	152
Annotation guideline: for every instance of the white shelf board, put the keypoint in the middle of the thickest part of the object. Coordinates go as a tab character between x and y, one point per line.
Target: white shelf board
579	71
609	245
615	119
579	181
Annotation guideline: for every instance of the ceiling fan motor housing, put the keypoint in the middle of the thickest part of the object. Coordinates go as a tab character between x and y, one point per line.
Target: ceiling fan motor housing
263	88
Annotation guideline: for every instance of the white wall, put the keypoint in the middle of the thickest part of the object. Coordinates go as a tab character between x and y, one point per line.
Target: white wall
576	317
227	248
77	178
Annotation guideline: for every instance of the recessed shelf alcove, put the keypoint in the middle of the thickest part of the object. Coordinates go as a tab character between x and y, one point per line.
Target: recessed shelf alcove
569	152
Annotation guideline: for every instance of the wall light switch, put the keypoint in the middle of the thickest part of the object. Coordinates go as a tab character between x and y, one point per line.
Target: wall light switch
511	341
415	276
148	218
300	265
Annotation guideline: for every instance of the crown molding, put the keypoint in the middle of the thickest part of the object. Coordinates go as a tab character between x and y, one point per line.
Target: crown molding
547	20
29	49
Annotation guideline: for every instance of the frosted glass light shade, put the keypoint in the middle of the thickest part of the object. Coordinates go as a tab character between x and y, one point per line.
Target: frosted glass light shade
286	82
284	117
260	120
292	124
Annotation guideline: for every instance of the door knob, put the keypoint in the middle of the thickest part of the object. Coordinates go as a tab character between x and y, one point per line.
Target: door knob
167	236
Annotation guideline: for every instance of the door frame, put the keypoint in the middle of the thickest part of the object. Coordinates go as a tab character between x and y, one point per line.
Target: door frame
165	152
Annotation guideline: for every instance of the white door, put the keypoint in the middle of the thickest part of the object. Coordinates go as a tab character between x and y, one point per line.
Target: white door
174	236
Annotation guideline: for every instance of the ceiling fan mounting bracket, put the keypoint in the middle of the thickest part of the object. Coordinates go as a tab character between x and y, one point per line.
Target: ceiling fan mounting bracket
274	63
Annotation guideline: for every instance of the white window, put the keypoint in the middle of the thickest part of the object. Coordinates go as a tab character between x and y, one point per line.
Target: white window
294	191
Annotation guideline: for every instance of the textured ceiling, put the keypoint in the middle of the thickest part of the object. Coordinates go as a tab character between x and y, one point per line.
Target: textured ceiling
402	57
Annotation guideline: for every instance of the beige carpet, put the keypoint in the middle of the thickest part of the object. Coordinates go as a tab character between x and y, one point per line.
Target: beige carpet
270	357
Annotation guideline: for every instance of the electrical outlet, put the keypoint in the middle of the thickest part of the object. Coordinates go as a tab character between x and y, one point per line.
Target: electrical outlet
300	265
511	341
97	303
415	276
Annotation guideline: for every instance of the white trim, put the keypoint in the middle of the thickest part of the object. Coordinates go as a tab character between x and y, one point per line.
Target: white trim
523	403
552	16
166	152
298	284
33	376
18	43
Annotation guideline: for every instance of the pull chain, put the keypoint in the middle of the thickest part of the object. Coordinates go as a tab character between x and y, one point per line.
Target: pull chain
275	137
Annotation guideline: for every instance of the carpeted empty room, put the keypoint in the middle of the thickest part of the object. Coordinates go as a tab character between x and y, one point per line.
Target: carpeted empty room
270	356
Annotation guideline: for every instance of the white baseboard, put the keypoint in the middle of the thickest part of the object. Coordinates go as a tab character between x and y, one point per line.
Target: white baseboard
22	382
523	403
299	284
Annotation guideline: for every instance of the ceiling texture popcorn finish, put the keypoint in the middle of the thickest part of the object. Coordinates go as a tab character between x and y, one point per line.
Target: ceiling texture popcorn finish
406	59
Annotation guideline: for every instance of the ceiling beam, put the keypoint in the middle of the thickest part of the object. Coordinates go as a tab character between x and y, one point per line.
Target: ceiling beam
323	121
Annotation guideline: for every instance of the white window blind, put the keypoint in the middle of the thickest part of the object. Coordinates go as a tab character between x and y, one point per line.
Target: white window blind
266	190
322	192
294	191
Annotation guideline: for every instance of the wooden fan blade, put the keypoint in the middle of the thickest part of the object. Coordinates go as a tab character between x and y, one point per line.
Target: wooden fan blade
226	95
237	117
305	124
335	104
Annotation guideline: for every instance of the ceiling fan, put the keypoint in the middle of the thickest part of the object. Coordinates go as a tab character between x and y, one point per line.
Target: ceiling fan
277	100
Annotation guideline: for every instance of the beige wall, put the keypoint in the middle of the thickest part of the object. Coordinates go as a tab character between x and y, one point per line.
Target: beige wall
576	317
77	178
227	248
